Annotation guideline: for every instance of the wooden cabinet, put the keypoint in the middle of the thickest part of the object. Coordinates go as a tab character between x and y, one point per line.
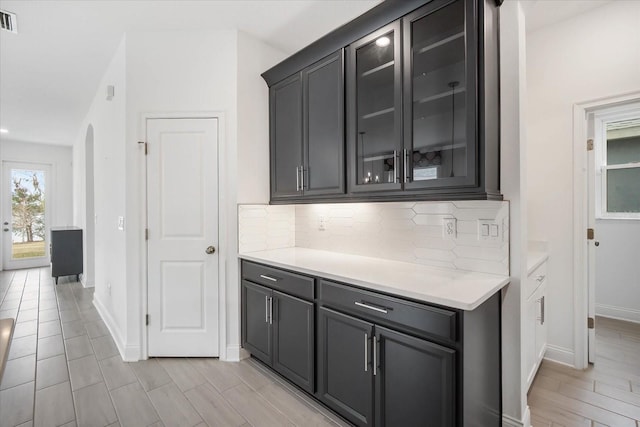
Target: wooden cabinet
535	340
66	252
422	107
379	360
278	328
307	132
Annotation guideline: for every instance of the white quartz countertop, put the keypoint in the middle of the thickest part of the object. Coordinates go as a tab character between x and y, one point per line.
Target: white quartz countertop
459	289
535	259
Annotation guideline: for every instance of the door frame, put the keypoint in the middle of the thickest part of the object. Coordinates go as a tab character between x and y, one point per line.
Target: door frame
582	282
49	170
223	197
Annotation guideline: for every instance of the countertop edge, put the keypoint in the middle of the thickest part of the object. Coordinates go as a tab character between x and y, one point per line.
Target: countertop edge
456	304
539	259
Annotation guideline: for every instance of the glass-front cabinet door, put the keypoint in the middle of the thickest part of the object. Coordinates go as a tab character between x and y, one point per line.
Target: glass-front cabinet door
439	97
374	106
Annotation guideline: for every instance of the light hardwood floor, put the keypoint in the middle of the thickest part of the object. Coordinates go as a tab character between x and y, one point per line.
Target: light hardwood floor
64	370
605	394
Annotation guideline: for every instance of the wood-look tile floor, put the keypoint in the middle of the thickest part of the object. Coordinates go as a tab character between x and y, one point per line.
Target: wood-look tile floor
605	394
64	370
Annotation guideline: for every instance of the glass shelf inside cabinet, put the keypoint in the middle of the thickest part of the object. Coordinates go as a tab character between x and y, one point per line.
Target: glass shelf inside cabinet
375	85
439	94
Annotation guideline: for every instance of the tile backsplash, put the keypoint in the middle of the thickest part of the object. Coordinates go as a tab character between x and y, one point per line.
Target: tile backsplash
403	231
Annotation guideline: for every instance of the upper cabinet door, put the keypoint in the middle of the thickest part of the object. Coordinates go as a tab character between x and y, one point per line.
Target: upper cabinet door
374	110
440	96
323	82
286	138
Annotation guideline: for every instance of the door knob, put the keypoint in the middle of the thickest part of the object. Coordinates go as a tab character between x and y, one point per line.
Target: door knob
210	250
6	229
5	223
597	243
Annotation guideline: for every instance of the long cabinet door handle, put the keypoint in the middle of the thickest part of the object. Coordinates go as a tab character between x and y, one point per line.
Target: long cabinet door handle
266	309
366	352
396	167
375	356
271	310
301	178
406	164
542	310
273	279
297	178
370	307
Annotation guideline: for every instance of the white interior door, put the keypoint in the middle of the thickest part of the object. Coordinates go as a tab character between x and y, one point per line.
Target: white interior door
26	205
182	211
591	249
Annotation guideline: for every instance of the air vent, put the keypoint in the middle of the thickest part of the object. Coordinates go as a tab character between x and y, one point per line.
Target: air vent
8	21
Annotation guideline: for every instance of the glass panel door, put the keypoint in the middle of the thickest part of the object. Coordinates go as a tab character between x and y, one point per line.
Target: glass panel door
439	127
25	223
375	132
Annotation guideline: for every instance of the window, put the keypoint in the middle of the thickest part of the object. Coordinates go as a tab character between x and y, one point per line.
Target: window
617	139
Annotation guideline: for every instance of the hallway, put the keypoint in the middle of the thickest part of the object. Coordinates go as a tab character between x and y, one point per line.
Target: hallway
64	369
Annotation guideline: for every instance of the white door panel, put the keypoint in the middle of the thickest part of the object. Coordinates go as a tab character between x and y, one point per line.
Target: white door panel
182	187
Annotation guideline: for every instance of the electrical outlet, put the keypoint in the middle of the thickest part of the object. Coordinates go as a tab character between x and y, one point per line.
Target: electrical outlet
449	228
321	223
109	288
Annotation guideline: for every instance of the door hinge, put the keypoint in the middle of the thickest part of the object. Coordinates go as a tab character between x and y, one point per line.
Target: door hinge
590	234
146	234
591	323
146	319
146	147
589	144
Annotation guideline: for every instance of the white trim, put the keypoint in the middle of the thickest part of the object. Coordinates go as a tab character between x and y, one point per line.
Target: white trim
619	313
128	353
143	349
235	353
559	354
580	192
509	421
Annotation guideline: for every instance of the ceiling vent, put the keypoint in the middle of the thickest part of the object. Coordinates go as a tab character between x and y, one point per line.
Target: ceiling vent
8	21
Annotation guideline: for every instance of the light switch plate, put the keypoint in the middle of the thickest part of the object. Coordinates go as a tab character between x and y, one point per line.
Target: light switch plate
490	230
121	223
449	228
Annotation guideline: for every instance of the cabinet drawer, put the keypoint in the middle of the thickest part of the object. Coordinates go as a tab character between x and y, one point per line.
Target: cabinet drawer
274	278
535	279
415	318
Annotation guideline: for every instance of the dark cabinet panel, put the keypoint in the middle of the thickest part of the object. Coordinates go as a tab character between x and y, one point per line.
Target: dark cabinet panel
286	138
293	339
374	131
66	252
344	366
324	127
256	320
415	381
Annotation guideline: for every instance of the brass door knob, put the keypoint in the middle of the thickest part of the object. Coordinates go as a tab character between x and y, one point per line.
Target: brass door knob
210	250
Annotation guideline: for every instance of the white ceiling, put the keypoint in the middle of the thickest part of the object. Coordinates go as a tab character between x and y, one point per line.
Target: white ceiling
49	72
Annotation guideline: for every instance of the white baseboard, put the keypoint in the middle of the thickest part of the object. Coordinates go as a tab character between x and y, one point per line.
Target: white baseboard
560	355
113	328
235	353
619	313
509	421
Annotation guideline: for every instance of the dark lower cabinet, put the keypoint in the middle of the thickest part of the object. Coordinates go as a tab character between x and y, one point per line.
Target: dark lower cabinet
345	366
278	329
66	252
414	381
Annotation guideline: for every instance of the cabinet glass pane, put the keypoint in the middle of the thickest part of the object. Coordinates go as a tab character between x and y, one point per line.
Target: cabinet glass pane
375	162
623	190
439	94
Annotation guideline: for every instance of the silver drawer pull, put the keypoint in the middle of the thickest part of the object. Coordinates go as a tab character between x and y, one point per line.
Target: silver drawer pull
370	307
273	279
540	278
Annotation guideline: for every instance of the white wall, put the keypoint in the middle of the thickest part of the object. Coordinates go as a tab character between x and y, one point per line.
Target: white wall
591	56
618	269
59	157
108	121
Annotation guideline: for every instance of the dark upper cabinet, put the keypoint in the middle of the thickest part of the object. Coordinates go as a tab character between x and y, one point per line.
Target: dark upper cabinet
307	132
345	364
422	106
374	111
286	137
414	381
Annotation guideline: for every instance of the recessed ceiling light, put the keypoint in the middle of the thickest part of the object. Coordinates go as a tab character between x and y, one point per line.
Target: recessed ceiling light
4	131
383	41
